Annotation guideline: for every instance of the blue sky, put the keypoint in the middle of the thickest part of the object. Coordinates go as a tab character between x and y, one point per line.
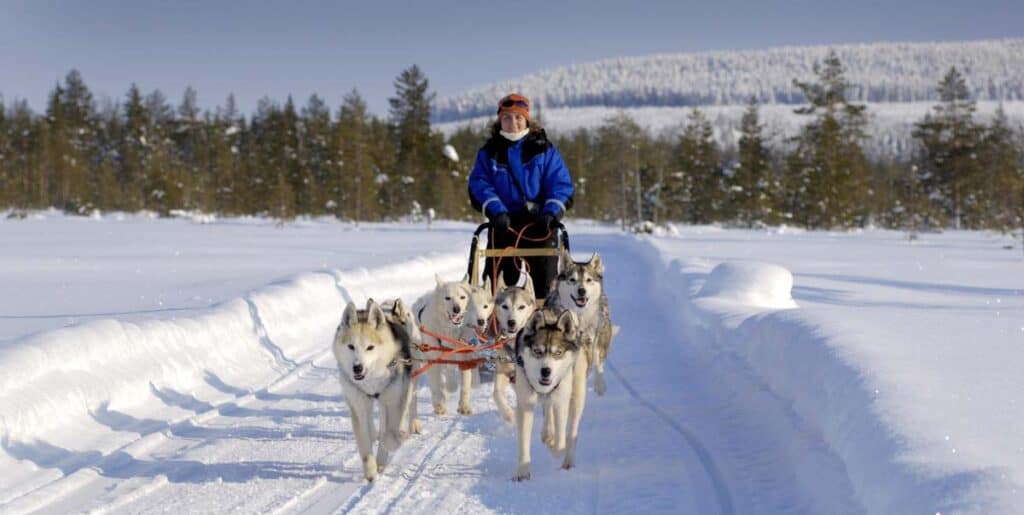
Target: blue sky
257	49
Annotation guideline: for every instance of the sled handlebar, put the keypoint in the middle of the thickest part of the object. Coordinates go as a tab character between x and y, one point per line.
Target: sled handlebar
558	232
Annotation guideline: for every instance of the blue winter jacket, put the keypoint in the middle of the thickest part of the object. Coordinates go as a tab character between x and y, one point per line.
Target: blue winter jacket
533	161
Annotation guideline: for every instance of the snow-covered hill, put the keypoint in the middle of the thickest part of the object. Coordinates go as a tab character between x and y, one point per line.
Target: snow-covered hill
879	72
889	130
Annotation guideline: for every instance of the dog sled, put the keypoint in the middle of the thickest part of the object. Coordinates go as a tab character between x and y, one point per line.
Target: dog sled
485	348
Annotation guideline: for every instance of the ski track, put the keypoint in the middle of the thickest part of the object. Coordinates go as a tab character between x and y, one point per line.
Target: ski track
666	438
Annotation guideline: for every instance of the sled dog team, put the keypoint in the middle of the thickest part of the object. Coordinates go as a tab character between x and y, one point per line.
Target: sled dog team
548	353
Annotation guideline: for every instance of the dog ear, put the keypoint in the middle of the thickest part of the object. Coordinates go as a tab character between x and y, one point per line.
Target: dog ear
374	315
348	318
400	311
529	286
501	282
595	263
568	323
564	261
465	278
487	286
440	283
535	322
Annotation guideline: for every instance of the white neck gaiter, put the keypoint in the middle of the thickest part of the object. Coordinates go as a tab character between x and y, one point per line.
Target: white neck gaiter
515	136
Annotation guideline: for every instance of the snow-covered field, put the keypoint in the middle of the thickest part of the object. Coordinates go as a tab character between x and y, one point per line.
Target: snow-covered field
774	371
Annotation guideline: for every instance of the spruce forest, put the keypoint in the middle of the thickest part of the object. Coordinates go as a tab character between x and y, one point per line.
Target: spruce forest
285	160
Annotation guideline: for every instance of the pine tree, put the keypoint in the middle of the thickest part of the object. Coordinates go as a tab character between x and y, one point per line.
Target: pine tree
290	140
161	177
612	179
949	140
383	154
700	161
68	151
134	152
266	159
188	135
318	150
1001	177
22	161
416	176
577	152
105	190
352	186
826	176
226	159
753	184
7	184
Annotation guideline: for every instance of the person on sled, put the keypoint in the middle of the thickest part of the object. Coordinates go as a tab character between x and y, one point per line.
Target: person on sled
519	180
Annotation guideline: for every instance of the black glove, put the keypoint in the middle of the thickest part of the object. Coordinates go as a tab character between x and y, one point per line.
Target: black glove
548	220
500	223
544	221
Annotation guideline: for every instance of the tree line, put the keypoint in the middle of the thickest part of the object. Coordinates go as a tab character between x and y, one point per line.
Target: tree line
143	153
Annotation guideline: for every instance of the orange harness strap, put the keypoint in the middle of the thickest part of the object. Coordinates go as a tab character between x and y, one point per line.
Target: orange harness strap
461	348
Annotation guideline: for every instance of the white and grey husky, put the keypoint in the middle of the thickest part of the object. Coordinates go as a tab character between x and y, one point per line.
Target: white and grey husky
579	287
443	311
372	347
551	370
481	306
513	307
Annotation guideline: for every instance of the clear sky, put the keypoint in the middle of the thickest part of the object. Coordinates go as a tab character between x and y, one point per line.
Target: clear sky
275	48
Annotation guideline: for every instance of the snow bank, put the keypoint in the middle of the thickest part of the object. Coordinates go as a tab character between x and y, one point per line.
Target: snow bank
760	285
813	364
62	386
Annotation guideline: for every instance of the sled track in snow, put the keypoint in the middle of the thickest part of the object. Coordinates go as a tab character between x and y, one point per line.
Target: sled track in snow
83	473
722	494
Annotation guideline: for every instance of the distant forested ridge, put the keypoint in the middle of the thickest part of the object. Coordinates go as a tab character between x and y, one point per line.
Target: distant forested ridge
877	72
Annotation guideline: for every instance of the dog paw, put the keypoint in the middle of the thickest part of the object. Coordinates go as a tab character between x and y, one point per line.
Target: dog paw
416	427
465	409
599	386
568	463
440	409
508	415
523	474
370	468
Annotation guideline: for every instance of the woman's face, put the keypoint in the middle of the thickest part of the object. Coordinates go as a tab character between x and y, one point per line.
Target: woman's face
512	122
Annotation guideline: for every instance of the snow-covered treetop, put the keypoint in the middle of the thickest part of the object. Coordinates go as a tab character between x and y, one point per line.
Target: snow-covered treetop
877	72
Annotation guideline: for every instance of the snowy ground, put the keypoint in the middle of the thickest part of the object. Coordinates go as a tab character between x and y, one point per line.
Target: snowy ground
892	388
58	271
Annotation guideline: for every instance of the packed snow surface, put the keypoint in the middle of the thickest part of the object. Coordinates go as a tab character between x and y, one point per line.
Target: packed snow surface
773	371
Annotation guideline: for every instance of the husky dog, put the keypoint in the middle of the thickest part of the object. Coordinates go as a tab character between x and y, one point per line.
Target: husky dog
550	368
579	288
513	307
373	353
443	311
481	306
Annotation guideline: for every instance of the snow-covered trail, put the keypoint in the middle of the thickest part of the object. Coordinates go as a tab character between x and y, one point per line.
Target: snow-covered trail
670	436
